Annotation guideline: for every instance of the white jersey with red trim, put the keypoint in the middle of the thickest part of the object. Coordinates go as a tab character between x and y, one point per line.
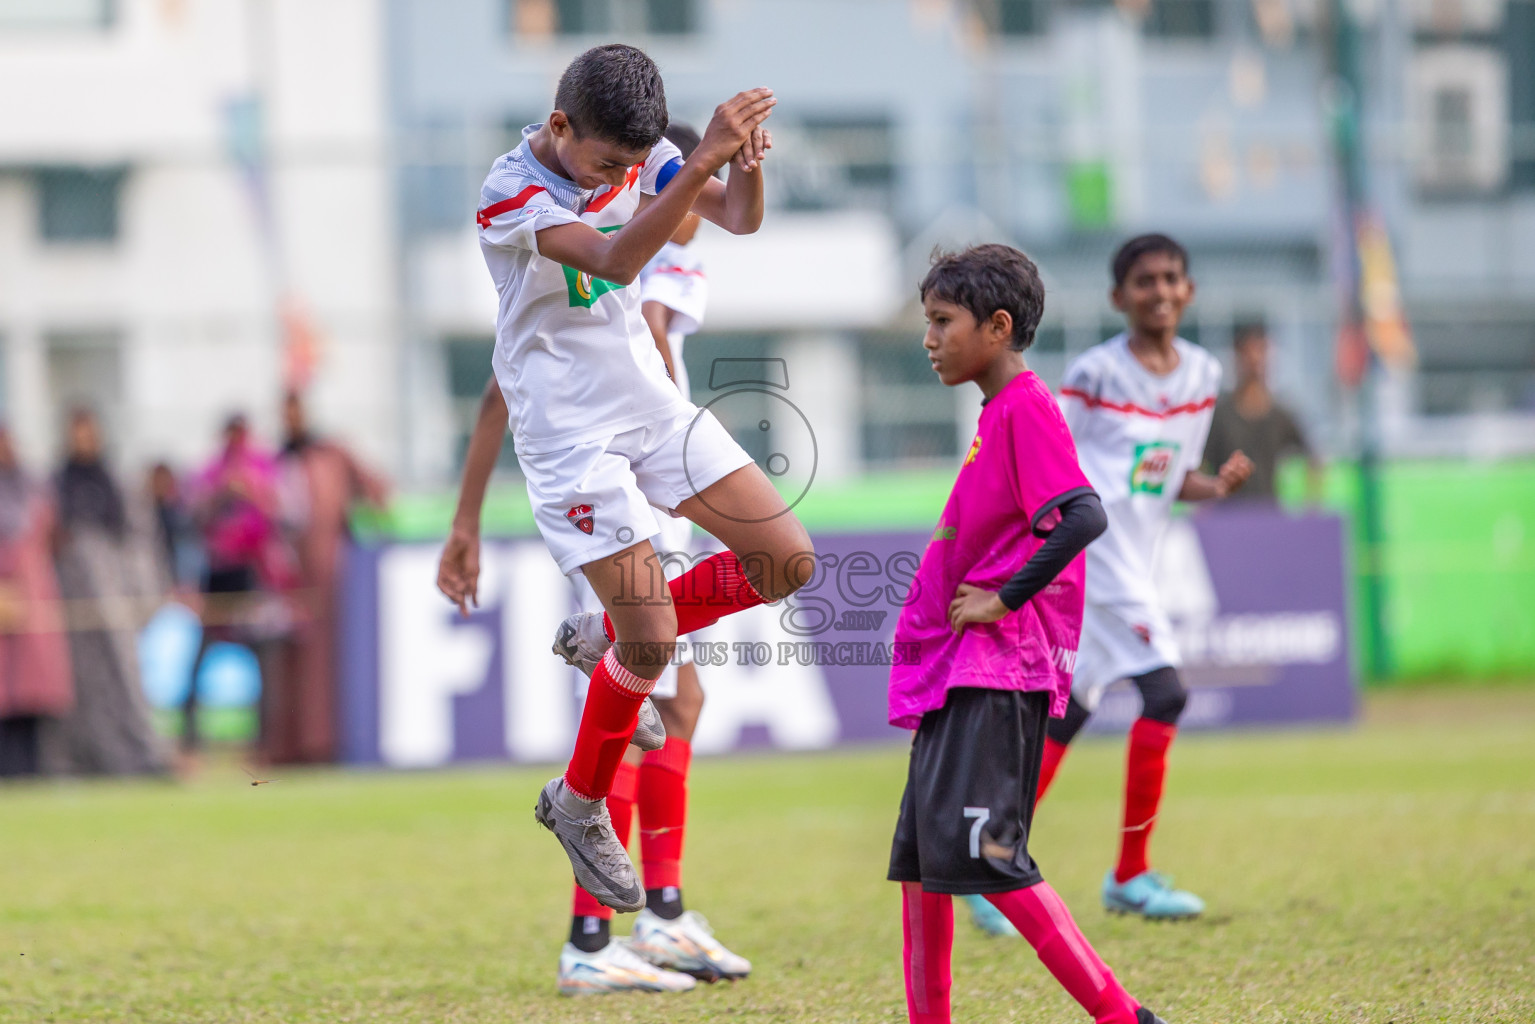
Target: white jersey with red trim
573	355
1137	436
675	279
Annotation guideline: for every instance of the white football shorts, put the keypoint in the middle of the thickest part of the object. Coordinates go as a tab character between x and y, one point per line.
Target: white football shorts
597	498
1118	643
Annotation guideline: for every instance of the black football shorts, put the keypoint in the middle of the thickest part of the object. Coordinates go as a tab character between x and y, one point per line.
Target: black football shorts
969	800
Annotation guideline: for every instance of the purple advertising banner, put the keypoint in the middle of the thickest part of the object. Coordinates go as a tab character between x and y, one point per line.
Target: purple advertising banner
1256	597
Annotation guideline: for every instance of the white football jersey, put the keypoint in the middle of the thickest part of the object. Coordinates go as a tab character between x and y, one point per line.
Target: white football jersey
573	355
1137	436
675	279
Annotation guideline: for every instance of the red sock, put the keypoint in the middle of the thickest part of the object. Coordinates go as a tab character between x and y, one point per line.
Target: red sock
1053	753
927	928
1144	774
663	812
607	721
1045	923
706	593
621	809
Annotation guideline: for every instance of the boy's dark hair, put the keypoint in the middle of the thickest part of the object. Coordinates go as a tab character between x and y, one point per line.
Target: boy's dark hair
1140	246
986	278
615	93
683	137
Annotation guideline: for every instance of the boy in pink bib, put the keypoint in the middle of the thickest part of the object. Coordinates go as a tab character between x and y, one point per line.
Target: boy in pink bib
990	635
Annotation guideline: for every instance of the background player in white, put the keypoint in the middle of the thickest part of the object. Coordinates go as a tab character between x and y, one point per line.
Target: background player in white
1139	408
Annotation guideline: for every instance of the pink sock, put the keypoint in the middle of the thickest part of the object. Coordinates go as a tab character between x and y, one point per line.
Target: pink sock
1043	920
927	928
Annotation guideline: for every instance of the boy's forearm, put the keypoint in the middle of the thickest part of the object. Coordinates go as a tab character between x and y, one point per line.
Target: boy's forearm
480	461
1199	486
743	201
653	226
1083	521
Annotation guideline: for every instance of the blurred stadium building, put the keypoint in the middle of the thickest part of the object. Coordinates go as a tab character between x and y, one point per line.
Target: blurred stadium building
1061	126
204	200
195	210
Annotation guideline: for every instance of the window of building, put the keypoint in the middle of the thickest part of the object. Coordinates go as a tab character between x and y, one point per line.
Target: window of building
1013	18
1461	113
47	15
1519	57
907	419
671	17
78	204
604	17
1181	19
468	370
738	408
839	162
85	370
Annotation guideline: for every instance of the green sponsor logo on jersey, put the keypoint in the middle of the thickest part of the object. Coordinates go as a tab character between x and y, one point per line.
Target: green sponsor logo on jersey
1152	465
583	288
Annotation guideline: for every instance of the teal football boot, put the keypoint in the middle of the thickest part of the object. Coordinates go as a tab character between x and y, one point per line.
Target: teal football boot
988	918
1152	896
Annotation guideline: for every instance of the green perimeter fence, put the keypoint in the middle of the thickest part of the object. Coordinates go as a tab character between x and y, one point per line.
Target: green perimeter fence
1458	557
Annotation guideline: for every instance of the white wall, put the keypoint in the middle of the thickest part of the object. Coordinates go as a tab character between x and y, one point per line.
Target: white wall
192	280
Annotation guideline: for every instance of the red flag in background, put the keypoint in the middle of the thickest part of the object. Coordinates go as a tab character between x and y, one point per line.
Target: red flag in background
1381	323
1380	297
301	344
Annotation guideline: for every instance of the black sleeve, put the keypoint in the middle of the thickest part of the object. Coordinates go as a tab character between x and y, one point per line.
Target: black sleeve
1082	520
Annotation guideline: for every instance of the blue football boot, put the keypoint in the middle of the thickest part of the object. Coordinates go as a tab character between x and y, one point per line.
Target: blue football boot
988	918
1152	896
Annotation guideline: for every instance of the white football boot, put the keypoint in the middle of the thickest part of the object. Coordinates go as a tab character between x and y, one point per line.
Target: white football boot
687	945
614	968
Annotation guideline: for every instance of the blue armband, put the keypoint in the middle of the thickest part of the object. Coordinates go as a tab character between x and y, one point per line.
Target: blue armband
667	173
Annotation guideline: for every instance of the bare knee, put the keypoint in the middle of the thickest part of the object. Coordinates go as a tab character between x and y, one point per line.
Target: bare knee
646	637
785	567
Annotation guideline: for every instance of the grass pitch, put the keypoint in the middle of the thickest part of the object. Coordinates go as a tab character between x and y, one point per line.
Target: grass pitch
1385	873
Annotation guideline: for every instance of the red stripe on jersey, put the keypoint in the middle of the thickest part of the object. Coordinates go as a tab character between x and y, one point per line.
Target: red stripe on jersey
678	270
1135	410
607	197
517	202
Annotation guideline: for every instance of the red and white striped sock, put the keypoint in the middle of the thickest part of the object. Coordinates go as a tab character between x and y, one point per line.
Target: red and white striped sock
607	721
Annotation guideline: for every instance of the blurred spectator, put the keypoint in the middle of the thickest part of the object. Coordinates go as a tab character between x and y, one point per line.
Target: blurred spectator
1250	419
181	551
321	480
112	583
233	499
35	685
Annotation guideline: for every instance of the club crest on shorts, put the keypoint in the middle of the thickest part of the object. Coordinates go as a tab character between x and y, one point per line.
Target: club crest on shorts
582	518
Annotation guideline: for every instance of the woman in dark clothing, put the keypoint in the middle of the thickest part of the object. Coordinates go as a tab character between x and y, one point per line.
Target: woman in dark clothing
111	580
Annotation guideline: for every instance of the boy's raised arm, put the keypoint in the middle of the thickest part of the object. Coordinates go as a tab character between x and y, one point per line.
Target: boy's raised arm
736	203
621	256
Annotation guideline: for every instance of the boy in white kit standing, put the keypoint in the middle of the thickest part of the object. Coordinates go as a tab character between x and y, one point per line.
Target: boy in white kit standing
1139	408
